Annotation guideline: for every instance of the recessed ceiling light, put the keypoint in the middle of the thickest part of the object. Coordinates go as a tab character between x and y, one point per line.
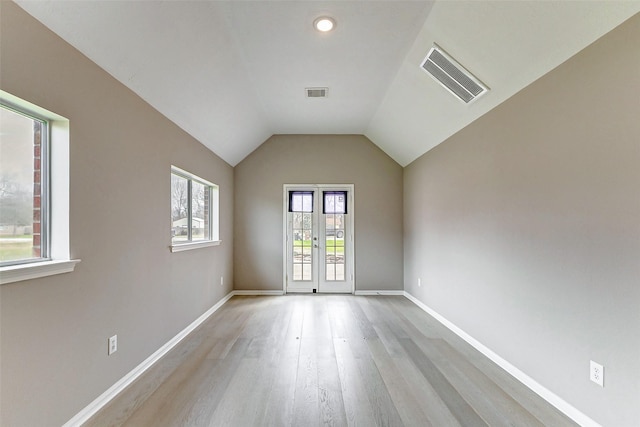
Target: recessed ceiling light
324	24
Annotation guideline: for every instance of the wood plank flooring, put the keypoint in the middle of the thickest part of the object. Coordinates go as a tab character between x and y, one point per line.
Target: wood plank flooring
325	360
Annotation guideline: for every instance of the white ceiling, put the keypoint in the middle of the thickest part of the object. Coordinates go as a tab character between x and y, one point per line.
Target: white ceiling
233	73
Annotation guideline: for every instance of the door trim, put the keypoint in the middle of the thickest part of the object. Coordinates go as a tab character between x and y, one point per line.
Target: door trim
351	227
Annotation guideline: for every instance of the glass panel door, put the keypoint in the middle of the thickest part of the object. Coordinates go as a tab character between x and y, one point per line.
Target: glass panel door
318	248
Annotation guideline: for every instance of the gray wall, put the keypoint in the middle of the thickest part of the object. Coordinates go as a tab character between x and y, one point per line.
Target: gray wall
318	159
54	330
525	228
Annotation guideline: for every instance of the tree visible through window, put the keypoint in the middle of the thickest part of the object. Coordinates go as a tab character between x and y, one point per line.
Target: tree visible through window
194	203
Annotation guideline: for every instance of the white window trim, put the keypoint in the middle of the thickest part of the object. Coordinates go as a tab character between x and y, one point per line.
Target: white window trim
180	247
60	261
214	216
35	270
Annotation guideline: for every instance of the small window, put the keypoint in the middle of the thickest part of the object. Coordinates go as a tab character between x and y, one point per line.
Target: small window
335	202
301	201
24	215
194	209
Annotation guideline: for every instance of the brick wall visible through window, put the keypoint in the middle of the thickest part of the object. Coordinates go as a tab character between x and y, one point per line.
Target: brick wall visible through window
24	218
37	189
34	232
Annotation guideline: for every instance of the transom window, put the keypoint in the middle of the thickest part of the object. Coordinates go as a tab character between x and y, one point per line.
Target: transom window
194	209
335	202
301	201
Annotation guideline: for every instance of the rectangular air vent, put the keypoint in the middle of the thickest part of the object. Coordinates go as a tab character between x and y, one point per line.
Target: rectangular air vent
453	76
317	92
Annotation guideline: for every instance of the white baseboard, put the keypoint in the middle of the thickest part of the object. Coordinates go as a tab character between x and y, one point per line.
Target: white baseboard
275	293
257	292
555	400
400	293
91	409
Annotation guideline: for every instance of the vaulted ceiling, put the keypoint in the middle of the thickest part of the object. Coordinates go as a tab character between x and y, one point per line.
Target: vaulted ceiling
233	73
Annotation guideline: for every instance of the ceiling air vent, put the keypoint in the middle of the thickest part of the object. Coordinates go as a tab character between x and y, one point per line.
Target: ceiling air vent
317	92
450	74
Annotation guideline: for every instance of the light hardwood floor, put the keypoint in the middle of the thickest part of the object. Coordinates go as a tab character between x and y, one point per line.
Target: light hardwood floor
335	360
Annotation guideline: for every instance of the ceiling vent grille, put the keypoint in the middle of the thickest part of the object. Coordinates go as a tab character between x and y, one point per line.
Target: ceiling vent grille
317	92
453	76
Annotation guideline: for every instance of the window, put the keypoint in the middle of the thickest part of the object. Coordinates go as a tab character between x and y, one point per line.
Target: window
24	187
194	211
34	191
335	202
301	201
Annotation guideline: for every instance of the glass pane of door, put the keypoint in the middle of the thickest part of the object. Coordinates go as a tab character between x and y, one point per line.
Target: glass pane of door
334	247
302	233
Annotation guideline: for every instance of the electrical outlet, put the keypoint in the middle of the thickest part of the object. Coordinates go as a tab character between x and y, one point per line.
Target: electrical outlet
113	344
419	282
596	373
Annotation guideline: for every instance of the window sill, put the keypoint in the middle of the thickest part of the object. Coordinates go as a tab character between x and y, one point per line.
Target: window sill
194	245
17	273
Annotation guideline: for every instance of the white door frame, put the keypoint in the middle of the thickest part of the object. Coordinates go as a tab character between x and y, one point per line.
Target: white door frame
349	259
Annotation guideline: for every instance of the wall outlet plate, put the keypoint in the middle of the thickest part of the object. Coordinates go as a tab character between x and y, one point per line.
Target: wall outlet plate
113	345
596	373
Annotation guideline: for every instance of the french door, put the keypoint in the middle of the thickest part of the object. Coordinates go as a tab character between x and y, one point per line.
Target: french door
318	238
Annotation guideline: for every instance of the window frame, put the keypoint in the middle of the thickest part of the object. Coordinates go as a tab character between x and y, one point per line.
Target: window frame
55	174
214	213
335	193
292	194
45	191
